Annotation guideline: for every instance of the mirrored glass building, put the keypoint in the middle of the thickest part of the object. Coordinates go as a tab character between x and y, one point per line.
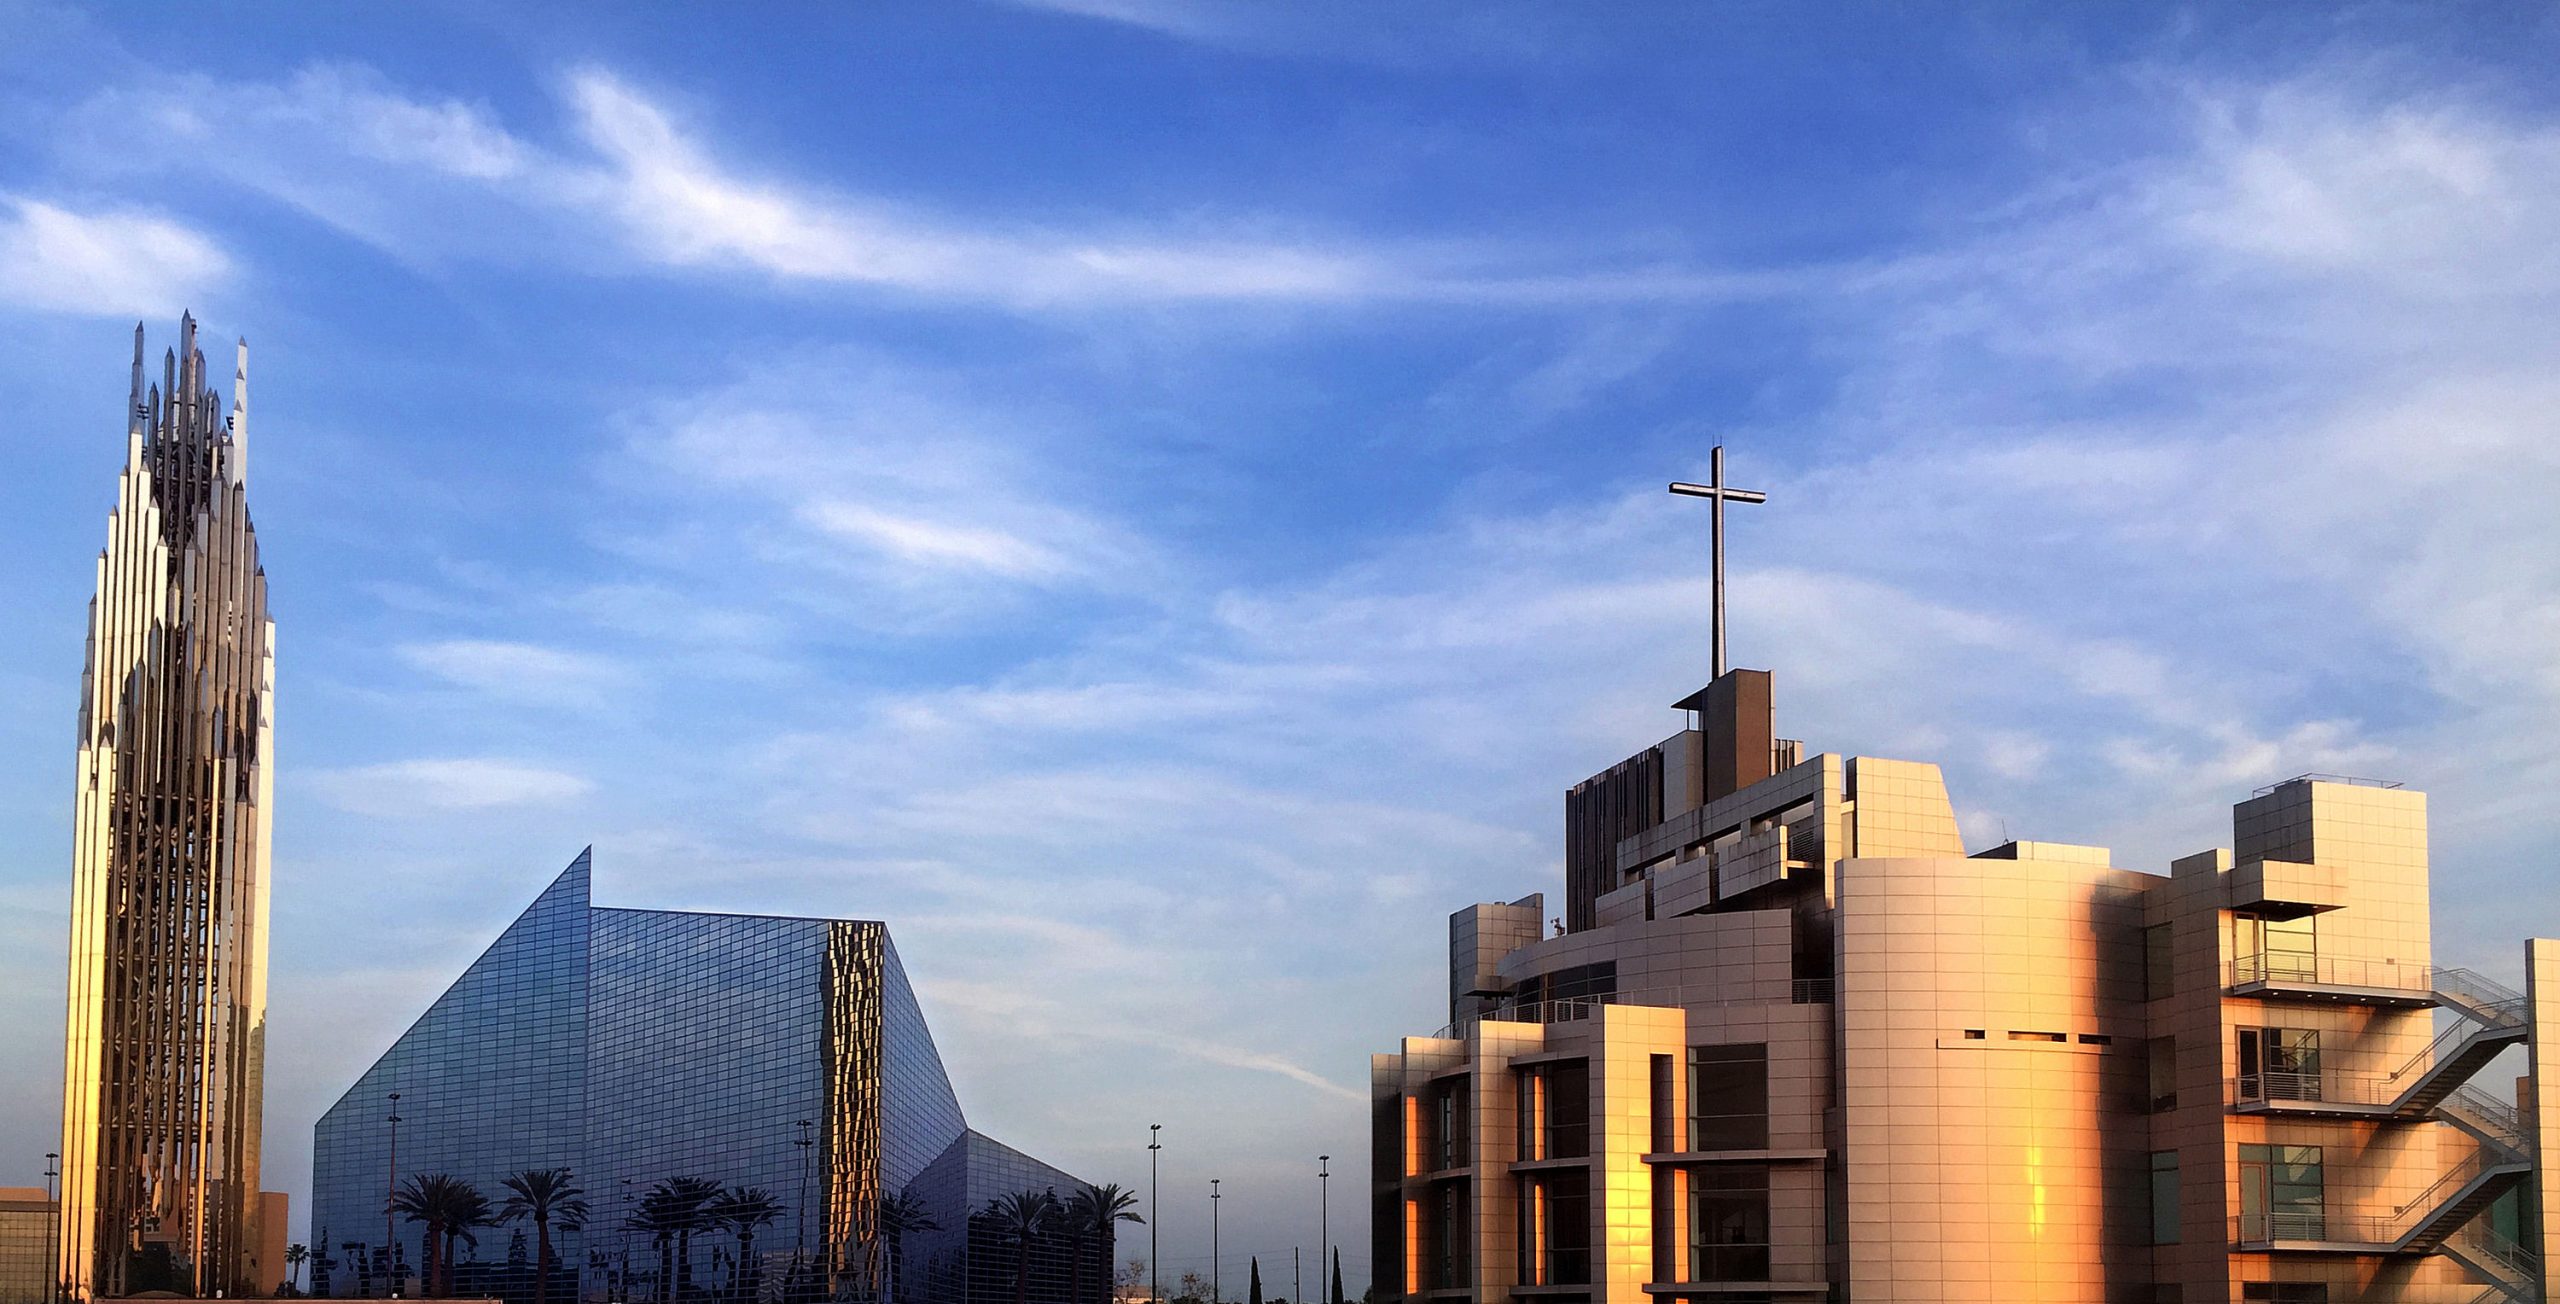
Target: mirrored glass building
164	1046
741	1099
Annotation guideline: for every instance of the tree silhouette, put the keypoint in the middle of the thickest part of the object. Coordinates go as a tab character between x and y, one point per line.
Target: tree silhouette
1256	1296
742	1210
1096	1211
469	1211
428	1199
900	1214
671	1213
1020	1219
295	1255
1337	1275
547	1196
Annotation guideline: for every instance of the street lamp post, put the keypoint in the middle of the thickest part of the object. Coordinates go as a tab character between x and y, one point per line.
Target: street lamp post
53	1251
1217	1280
391	1196
1324	1219
800	1239
622	1280
1155	1219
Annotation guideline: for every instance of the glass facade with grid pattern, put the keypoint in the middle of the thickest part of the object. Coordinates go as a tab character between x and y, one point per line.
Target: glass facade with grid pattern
785	1058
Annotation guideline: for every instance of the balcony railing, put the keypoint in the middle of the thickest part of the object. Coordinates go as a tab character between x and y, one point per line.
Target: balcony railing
2261	1226
2299	968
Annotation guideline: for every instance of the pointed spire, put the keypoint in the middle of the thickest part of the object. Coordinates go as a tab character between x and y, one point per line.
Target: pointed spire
240	417
168	402
134	413
191	377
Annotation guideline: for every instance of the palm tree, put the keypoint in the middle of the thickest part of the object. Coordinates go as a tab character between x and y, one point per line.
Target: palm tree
900	1214
468	1210
1097	1211
1021	1219
295	1255
742	1210
671	1213
547	1196
426	1198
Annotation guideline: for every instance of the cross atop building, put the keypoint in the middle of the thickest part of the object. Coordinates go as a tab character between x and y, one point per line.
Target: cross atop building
1718	493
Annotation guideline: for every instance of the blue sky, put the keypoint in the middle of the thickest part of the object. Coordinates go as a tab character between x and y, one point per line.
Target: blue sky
1158	500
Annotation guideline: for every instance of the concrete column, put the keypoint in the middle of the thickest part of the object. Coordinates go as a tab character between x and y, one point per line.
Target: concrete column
2542	1049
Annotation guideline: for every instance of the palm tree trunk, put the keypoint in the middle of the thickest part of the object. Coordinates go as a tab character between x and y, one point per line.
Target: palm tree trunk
541	1258
666	1266
1022	1273
1075	1270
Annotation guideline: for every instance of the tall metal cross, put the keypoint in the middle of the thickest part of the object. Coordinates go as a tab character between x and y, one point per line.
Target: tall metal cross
1718	493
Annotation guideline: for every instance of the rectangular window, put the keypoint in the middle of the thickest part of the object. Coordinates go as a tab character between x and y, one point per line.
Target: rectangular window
2277	950
1729	1097
2286	1292
2280	1064
1450	1276
1660	1098
1567	1125
2282	1194
1568	1226
1449	1138
2159	970
1729	1223
2161	1054
2164	1197
2037	1036
1531	1106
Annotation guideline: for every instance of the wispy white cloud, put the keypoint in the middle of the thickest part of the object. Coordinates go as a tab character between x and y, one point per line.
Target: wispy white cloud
440	787
429	178
110	262
524	672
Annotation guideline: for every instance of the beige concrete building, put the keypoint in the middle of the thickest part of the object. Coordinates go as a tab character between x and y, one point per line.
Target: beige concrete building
1789	1041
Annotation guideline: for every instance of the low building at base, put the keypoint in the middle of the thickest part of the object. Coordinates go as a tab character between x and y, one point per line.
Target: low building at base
752	1106
1796	1044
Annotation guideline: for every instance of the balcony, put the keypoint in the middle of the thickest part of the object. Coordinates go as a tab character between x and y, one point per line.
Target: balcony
2294	976
2421	1226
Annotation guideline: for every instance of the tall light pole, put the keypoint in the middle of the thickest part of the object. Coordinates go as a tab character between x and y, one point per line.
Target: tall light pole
800	1239
53	1251
391	1197
1155	1216
622	1284
1216	1279
1324	1219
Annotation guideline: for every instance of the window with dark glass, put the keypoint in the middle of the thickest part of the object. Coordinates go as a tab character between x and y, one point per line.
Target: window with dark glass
2161	1064
2282	1193
2286	1292
1568	1226
1567	1125
1448	1269
1729	1097
2164	1197
1448	1126
2279	1064
1729	1223
2278	949
2159	967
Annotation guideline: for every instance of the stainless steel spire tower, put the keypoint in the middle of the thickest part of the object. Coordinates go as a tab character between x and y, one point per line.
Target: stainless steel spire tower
163	1077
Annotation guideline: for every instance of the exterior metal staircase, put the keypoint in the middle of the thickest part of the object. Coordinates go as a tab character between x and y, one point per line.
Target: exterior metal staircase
2492	1019
2508	1269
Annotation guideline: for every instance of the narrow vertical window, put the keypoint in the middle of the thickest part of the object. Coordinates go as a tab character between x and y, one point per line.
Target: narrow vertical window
2159	968
2164	1197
